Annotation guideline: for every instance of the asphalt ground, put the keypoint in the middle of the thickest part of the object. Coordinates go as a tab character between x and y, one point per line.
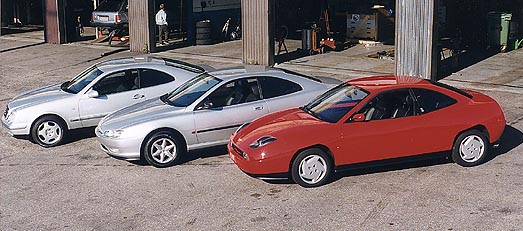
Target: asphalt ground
77	187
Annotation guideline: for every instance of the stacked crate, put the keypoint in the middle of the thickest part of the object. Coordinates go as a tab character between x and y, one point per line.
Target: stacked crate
362	26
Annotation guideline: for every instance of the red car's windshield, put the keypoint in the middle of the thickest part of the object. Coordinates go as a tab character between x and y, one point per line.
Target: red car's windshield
335	103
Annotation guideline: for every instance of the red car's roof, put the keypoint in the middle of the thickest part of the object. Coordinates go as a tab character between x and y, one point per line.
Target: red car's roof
386	81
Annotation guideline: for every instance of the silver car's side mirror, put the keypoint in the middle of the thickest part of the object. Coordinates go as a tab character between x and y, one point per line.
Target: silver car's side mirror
92	94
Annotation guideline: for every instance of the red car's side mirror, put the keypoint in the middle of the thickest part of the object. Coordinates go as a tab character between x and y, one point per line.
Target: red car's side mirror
358	118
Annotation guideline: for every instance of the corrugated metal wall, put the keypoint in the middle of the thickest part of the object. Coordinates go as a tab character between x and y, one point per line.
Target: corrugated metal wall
257	26
141	26
415	38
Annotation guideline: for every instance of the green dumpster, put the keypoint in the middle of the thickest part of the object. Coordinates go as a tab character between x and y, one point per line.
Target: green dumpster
498	29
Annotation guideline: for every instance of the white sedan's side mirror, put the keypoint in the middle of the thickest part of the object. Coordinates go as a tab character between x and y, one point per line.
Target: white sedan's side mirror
92	94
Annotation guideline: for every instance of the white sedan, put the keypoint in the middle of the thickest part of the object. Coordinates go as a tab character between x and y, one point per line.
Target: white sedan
46	114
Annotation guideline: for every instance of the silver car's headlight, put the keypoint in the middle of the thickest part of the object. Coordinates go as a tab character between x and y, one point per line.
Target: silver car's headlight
112	133
263	141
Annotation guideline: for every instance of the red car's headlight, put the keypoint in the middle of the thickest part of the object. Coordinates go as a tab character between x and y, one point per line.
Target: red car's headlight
263	141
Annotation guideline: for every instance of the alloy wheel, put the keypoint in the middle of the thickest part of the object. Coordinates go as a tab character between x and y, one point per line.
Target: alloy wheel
163	150
49	132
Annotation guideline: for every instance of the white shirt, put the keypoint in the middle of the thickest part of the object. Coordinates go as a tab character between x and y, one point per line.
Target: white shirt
161	18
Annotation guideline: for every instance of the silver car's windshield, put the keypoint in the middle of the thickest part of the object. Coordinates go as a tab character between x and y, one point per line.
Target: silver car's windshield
187	93
335	103
81	80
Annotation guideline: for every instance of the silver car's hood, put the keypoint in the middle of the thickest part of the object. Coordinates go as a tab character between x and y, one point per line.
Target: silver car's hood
39	96
142	112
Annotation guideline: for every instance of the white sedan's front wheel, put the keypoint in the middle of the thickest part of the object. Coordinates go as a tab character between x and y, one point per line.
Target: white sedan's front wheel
48	131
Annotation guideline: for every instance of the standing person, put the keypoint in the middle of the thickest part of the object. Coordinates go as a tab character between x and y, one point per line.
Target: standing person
161	21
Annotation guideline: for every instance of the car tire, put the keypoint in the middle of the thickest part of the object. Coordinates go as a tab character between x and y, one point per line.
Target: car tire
48	131
311	168
470	148
164	149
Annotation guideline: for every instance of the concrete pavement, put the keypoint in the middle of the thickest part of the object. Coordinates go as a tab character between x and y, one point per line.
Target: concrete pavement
78	187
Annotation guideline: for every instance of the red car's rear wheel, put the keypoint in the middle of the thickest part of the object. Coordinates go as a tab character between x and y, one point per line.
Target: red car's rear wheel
470	148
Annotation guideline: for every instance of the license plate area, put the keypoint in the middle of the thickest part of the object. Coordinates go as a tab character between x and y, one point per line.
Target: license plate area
103	18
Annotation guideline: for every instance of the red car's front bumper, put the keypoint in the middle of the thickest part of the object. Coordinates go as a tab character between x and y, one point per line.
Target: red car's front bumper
268	168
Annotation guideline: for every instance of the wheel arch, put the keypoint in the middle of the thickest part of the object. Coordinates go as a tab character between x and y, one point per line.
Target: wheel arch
318	146
49	114
478	127
164	129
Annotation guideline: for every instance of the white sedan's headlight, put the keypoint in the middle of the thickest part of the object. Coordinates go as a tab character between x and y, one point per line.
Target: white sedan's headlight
10	116
112	133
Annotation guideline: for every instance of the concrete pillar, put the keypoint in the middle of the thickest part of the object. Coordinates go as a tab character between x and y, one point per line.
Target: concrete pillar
141	26
257	32
54	22
416	38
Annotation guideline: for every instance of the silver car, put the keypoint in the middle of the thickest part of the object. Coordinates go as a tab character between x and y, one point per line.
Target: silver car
202	112
46	114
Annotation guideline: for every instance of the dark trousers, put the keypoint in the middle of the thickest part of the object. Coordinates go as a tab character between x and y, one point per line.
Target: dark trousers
162	31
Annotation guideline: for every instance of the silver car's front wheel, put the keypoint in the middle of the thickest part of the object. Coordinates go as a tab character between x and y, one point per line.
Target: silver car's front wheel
163	149
48	131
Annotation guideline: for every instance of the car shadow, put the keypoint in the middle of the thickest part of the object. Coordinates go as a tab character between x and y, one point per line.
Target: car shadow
191	156
444	159
510	139
76	135
203	153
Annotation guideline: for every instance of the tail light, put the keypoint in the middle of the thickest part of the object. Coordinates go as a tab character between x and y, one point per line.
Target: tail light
118	18
92	18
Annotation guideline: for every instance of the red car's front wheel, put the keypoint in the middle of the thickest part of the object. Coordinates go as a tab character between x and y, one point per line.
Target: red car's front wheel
311	168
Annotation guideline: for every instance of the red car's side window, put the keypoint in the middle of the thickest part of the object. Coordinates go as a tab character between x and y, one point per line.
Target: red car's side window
429	101
389	105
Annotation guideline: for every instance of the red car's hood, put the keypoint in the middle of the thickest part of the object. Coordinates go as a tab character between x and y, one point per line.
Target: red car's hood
279	124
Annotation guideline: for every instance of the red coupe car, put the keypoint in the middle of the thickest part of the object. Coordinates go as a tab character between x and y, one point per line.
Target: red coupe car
372	120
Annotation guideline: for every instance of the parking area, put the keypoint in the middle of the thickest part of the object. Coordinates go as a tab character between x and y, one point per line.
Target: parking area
77	187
